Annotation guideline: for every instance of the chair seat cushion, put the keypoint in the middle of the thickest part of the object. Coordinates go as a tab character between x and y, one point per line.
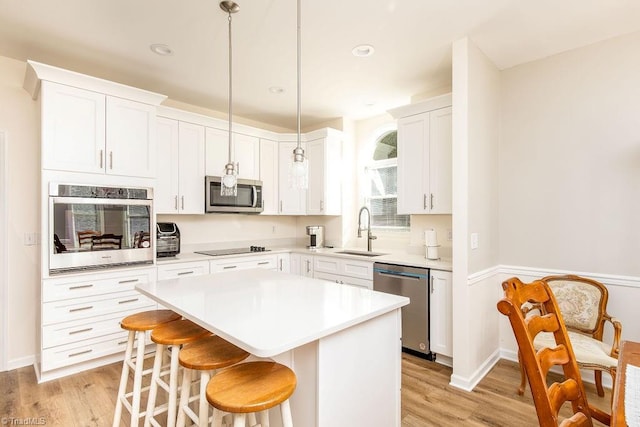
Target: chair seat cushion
590	353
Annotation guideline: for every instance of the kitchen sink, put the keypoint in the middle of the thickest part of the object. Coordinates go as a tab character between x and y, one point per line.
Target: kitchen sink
361	253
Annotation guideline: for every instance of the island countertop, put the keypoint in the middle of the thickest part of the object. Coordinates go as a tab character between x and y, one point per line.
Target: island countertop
268	312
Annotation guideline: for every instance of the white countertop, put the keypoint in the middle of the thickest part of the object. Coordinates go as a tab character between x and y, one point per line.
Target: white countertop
267	312
391	257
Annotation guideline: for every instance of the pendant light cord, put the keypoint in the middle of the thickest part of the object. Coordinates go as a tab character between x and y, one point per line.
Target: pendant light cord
299	67
230	86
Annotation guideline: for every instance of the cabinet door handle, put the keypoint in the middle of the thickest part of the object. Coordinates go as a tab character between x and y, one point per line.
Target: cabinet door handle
424	201
433	284
175	202
281	264
128	301
80	287
101	159
228	267
79	331
280	206
321	205
73	310
263	263
110	159
182	202
308	266
431	201
80	353
122	282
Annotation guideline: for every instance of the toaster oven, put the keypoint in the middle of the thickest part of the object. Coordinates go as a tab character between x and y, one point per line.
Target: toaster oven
167	239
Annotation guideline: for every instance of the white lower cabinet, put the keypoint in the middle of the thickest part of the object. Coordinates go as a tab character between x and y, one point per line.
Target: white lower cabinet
441	320
183	269
270	262
345	271
80	317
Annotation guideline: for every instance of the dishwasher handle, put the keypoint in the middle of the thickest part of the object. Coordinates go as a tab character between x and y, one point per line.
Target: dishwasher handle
400	274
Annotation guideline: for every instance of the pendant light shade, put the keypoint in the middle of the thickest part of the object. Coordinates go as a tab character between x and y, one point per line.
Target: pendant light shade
229	183
299	170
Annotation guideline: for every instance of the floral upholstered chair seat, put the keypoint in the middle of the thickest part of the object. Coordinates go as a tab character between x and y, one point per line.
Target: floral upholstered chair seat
583	304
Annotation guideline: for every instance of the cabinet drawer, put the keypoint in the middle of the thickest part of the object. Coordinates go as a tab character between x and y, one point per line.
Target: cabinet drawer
173	271
69	354
83	329
61	289
82	308
359	269
326	264
344	280
268	262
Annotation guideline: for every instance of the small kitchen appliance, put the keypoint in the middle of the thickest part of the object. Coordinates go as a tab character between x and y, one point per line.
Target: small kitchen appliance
167	239
316	236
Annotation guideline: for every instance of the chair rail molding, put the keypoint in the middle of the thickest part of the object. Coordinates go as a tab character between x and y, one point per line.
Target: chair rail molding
4	293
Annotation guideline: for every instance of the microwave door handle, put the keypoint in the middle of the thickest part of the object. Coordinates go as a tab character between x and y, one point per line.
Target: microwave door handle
255	196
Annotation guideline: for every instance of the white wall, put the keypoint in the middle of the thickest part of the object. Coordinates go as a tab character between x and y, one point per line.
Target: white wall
570	172
19	117
476	89
570	160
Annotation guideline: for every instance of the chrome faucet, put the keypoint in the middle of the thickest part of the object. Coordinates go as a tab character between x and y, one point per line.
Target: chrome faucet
370	236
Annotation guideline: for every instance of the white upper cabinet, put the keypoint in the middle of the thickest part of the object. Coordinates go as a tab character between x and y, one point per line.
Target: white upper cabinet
245	153
180	182
73	128
269	176
324	195
424	157
291	201
130	139
91	125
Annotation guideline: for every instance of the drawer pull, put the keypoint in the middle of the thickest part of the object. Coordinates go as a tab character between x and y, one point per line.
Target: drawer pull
80	353
122	282
80	287
73	310
184	273
128	301
122	342
227	267
263	263
79	331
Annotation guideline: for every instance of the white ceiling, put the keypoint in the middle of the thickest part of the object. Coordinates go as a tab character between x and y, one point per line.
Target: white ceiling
412	39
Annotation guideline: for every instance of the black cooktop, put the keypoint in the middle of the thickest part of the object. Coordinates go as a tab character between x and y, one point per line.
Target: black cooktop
234	251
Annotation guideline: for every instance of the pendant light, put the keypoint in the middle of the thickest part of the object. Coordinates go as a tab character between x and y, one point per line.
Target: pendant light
299	170
229	184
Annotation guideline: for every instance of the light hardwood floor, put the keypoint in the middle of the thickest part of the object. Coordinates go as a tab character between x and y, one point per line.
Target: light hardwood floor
88	398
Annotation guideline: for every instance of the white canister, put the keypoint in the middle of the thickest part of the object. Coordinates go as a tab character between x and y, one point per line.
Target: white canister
432	252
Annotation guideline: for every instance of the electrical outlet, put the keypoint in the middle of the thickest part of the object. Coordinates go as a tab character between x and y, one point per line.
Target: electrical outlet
474	240
30	239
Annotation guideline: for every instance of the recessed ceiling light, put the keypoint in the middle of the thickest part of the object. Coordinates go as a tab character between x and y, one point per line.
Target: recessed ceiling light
276	89
363	50
161	49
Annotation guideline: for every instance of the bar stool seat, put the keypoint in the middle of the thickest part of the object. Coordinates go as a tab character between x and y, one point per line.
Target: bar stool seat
205	355
252	387
139	322
172	334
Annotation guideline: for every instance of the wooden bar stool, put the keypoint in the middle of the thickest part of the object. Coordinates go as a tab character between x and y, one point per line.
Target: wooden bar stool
205	355
172	334
137	324
251	387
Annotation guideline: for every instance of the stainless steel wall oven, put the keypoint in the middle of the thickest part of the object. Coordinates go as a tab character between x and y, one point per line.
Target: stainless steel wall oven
99	227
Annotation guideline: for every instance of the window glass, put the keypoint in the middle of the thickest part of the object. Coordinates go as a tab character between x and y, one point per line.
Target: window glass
382	176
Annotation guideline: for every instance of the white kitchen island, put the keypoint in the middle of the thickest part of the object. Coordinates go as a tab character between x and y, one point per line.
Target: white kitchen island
343	342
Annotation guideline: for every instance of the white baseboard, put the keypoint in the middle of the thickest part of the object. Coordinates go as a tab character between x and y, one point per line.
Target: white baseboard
468	384
21	362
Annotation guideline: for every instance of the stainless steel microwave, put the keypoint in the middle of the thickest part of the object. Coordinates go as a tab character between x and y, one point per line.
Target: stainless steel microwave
248	198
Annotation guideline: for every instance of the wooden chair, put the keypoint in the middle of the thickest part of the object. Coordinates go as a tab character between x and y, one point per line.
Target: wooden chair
85	238
526	325
583	304
106	241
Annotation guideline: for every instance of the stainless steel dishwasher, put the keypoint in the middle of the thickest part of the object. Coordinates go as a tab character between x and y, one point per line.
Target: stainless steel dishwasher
411	282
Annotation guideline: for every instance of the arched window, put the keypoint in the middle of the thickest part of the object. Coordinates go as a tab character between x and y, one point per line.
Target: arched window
382	177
